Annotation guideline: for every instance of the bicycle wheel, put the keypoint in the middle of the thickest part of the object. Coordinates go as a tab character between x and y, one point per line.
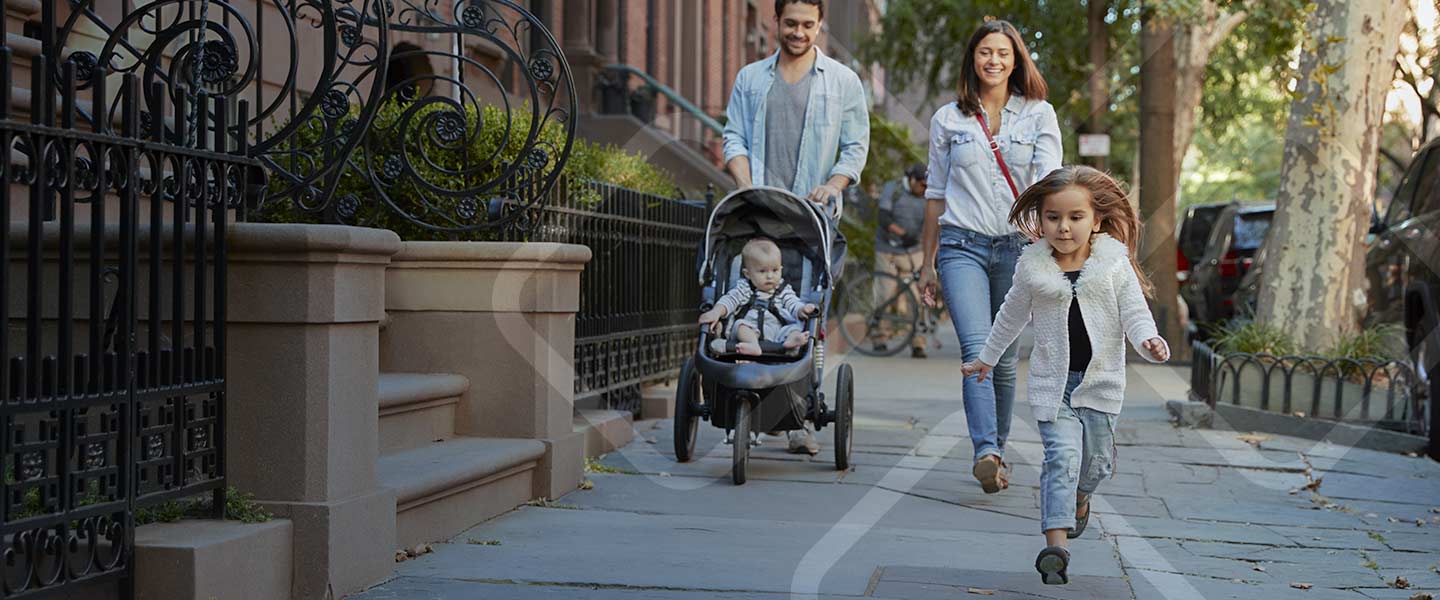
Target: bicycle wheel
877	328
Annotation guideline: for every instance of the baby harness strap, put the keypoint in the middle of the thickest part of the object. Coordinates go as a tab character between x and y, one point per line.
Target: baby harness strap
767	305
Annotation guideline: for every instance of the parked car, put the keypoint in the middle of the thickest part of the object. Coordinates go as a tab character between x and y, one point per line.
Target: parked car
1191	235
1402	272
1247	296
1229	253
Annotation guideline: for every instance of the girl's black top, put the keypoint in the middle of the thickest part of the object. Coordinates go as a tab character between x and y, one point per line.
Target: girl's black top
1079	338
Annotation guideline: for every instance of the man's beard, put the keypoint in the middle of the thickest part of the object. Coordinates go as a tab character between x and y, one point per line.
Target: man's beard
786	46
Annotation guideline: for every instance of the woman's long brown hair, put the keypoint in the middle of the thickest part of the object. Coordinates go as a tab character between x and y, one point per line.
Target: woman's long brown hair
1107	198
1025	79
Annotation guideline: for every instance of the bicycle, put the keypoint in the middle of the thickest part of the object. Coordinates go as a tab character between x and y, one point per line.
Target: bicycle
884	327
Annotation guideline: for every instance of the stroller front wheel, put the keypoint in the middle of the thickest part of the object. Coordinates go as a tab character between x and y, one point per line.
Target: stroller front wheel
687	420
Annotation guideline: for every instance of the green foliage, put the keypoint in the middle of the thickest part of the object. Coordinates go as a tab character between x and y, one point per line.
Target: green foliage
892	150
1253	338
1381	342
493	139
238	507
922	41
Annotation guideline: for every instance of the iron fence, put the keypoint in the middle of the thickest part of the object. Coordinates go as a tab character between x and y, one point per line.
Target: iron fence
114	380
1385	393
638	296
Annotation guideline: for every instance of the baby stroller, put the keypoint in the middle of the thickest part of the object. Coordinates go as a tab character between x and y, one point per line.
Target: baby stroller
776	391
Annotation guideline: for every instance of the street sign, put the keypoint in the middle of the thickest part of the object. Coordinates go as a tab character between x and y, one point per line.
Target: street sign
1094	144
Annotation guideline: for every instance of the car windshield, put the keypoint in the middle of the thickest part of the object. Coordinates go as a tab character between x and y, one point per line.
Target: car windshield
1250	229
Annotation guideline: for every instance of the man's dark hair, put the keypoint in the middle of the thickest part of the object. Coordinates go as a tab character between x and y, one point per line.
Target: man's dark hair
781	4
917	171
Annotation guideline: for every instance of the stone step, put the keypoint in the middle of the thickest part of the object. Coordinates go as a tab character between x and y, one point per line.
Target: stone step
605	430
444	489
202	559
418	409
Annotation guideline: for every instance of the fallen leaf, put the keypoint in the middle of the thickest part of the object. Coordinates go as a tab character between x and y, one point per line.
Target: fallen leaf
401	556
587	485
1301	586
649	440
1419	522
1413	454
664	474
1299	413
1422	596
1435	510
1253	439
980	592
1392	519
1371	516
1400	583
1314	484
1258	568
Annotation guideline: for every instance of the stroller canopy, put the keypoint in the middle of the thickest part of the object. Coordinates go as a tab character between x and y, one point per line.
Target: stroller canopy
774	213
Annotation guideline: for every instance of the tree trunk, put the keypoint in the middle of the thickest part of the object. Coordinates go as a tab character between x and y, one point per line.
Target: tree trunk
1158	178
1315	267
1194	41
1099	83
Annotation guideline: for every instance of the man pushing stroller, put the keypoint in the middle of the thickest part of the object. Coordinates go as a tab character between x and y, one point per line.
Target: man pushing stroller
780	132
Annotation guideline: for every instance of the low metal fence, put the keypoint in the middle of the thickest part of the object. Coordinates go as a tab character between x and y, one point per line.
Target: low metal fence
1385	393
638	296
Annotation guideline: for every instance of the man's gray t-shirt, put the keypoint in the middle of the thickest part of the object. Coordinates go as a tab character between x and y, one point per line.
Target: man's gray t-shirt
784	121
906	210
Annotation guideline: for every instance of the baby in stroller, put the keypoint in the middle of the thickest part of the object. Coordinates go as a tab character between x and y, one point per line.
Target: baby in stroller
768	313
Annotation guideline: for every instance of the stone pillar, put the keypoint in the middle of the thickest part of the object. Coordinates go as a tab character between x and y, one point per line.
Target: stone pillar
305	302
502	315
578	42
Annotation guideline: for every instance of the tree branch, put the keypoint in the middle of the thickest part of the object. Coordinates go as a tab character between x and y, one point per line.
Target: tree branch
1223	26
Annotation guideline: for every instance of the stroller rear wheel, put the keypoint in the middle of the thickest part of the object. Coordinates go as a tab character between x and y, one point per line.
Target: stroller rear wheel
741	443
844	416
687	420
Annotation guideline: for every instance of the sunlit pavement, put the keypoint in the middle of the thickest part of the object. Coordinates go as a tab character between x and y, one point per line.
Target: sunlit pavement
1190	514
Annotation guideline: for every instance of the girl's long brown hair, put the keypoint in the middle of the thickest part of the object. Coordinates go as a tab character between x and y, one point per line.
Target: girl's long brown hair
1025	79
1107	198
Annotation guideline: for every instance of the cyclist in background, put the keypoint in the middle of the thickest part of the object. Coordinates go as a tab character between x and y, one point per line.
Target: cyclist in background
897	242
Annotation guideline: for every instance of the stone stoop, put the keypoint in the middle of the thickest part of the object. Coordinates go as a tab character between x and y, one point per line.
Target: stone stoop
605	430
657	401
418	409
214	560
443	489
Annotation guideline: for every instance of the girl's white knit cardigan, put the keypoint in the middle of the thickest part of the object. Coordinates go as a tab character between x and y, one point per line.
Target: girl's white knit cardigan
1112	305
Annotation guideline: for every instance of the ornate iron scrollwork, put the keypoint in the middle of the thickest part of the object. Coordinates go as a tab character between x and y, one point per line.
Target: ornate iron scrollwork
492	119
294	120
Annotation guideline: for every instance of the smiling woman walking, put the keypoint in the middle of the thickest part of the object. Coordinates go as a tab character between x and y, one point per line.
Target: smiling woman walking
995	140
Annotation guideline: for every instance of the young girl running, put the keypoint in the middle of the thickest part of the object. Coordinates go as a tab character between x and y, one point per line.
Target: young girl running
1084	291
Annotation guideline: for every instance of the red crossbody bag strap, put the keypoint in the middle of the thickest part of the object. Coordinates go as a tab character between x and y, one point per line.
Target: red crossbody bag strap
1004	170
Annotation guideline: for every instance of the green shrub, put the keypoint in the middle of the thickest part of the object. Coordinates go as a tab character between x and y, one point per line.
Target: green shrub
1249	337
480	157
238	507
1383	342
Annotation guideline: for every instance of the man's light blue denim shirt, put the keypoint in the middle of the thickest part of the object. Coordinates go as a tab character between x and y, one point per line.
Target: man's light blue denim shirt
836	136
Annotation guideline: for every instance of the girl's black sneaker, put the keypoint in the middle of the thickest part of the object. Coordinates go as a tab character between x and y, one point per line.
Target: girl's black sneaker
1052	563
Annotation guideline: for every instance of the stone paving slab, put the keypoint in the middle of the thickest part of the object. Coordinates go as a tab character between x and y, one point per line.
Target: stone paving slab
424	588
1152	585
1177	529
680	552
924	583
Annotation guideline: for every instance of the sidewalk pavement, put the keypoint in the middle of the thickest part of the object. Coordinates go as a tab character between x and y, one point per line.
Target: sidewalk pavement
1190	514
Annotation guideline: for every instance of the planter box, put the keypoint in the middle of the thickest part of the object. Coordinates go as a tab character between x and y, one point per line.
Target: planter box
1250	377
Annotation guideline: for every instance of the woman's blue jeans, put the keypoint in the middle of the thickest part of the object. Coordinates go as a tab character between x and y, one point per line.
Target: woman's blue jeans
975	272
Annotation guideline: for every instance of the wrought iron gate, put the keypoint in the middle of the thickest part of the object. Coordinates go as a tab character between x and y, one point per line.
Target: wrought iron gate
132	133
114	381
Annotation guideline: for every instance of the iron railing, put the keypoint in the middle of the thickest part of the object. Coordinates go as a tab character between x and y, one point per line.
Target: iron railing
1385	393
114	378
638	298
